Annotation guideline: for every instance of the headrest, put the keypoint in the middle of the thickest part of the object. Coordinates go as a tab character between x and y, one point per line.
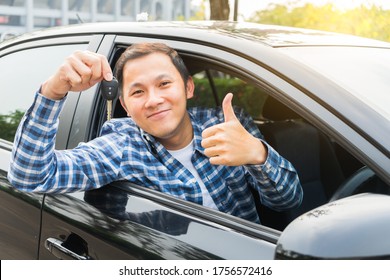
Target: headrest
277	111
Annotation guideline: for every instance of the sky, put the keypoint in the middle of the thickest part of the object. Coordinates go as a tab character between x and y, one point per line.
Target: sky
247	7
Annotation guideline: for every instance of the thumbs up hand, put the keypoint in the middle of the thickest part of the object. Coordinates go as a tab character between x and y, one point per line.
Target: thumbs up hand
229	143
228	111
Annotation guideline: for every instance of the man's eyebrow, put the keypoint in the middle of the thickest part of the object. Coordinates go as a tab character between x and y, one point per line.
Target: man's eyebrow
163	76
128	89
157	78
135	84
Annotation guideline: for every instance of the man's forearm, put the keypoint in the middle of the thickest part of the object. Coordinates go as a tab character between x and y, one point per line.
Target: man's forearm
32	159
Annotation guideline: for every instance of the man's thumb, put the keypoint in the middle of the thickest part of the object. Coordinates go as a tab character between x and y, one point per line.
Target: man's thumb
227	108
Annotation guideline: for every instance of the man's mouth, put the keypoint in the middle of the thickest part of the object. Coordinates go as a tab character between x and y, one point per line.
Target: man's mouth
158	114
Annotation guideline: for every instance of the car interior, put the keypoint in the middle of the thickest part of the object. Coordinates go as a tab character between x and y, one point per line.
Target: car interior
322	164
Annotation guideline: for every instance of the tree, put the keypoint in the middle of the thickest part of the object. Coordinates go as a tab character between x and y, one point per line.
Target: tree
219	9
9	124
367	21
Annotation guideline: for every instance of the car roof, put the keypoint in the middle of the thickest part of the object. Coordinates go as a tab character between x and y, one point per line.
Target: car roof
270	35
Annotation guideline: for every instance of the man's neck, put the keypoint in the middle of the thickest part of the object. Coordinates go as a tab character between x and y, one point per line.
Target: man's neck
181	138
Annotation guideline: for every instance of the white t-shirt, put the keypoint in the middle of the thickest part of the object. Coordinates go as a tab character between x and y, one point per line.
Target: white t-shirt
184	157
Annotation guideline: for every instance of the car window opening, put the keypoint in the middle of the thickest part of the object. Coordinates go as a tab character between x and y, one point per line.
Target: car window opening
321	163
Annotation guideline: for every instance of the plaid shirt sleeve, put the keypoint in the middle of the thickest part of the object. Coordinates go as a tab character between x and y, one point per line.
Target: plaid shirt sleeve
35	135
280	187
37	167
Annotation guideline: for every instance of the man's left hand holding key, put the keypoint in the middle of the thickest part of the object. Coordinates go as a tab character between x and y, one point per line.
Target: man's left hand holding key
80	71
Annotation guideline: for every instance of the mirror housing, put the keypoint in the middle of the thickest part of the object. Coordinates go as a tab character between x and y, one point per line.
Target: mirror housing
356	227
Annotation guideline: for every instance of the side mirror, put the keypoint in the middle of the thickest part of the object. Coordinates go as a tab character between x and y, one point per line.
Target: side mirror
356	227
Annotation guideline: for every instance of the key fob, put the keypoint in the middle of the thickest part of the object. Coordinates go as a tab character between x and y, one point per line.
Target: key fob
109	89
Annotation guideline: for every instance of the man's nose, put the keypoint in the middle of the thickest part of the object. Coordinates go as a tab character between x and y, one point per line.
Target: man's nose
153	99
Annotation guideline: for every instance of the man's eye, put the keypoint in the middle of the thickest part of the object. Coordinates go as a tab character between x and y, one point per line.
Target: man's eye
136	92
165	83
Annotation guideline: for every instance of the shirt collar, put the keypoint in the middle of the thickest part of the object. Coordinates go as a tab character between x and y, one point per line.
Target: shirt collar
156	147
198	129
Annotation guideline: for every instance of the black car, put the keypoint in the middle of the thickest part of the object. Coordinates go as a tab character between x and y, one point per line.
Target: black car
320	99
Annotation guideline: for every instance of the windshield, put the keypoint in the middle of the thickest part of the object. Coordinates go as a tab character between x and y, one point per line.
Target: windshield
363	71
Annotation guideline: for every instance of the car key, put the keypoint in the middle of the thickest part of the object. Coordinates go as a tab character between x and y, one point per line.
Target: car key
109	92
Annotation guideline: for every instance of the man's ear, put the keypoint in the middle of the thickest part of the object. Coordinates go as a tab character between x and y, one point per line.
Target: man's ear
124	106
190	87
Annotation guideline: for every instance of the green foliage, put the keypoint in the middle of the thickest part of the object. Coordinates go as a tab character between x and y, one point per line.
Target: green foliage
9	124
366	21
245	95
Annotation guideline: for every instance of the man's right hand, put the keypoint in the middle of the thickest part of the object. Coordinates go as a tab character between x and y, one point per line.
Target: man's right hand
80	71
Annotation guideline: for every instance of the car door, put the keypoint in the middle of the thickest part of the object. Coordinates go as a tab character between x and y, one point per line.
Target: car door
124	221
23	68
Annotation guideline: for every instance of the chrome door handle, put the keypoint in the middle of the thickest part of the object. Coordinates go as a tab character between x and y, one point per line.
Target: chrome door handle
57	248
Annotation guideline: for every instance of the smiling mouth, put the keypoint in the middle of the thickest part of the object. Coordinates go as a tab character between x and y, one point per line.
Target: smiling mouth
157	114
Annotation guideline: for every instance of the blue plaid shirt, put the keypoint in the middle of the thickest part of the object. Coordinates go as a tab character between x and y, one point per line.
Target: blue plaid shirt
125	152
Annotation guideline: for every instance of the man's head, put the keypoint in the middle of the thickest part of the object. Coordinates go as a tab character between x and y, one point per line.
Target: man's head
155	86
142	49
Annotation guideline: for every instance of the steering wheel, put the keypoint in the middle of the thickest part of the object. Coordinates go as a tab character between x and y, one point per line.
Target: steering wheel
354	183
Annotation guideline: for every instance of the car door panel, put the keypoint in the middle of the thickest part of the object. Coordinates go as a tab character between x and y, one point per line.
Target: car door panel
19	222
117	224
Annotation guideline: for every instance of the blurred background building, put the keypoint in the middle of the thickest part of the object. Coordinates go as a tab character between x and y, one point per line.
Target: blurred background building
19	16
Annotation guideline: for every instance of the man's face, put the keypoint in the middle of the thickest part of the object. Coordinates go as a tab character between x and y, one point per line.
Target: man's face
154	96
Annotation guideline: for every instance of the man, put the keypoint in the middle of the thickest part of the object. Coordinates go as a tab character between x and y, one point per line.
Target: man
211	157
